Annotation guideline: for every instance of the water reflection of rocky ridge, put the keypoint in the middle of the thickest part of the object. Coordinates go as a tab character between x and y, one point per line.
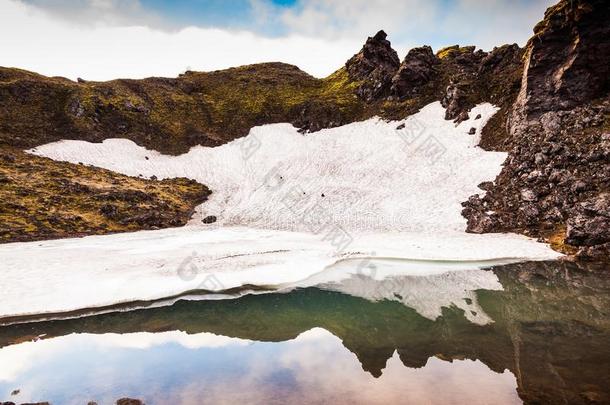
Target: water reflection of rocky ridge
551	328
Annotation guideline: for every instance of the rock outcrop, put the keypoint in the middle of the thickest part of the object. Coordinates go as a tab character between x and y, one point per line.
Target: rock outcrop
417	70
567	59
373	67
556	179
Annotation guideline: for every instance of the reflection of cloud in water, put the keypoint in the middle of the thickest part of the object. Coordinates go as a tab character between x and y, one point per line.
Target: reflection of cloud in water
18	358
170	368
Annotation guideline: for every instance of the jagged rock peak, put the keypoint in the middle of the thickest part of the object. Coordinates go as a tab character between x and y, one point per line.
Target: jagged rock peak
380	36
374	66
416	70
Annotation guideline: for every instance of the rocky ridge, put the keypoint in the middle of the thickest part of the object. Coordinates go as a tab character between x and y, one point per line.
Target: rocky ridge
460	77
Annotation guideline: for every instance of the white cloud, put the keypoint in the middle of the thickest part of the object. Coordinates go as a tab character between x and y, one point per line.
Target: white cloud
33	40
98	12
358	18
484	23
491	23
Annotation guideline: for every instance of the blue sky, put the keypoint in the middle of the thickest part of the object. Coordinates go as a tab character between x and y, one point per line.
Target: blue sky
135	38
219	13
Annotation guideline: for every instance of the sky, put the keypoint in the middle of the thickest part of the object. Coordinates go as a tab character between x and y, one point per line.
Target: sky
108	39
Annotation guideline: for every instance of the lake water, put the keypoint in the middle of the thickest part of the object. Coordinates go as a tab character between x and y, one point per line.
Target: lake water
536	333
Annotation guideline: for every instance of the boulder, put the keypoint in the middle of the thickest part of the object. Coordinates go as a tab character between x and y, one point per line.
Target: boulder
210	219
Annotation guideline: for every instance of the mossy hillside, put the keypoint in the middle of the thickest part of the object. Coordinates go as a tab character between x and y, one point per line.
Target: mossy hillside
171	115
42	199
211	108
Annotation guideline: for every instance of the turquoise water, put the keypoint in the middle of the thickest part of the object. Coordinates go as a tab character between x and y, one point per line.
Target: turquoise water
544	337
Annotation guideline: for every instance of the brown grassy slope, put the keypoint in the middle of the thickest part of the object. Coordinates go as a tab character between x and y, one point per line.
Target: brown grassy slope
171	115
43	199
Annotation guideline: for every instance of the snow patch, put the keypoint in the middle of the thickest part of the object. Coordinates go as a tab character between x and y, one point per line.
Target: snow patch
371	175
293	210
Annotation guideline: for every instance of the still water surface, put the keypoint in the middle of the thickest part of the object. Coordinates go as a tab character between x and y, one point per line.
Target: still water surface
538	333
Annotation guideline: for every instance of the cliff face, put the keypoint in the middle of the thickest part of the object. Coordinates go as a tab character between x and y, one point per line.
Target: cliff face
556	182
567	60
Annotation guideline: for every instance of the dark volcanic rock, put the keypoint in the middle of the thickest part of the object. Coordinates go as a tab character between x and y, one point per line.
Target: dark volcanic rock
129	401
499	77
374	66
590	224
456	103
557	175
567	59
210	219
470	81
417	70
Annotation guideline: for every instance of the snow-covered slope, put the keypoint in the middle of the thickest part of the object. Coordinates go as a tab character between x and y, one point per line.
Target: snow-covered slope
363	176
294	210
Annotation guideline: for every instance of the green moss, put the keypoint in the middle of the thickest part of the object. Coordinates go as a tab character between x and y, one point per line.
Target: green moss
453	51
